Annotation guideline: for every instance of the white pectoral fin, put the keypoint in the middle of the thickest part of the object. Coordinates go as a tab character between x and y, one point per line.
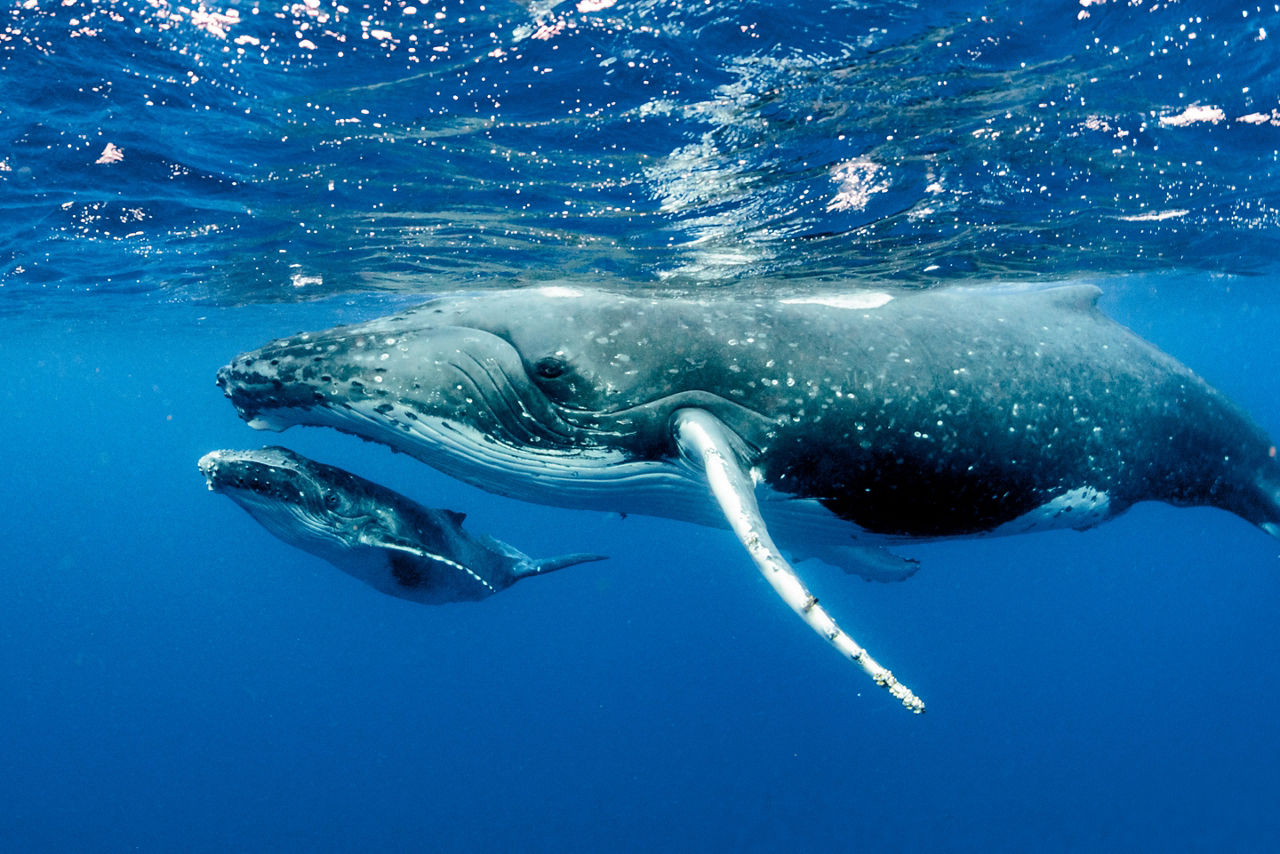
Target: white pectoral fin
396	544
710	445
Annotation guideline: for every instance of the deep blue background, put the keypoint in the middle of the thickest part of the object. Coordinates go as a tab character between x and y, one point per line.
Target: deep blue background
173	678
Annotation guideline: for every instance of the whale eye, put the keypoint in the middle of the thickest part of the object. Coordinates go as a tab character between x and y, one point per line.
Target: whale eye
331	500
549	367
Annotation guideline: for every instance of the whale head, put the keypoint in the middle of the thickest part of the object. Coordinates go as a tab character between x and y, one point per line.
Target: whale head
551	395
291	497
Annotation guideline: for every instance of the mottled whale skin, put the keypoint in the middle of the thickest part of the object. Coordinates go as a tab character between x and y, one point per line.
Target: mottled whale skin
384	539
829	421
918	415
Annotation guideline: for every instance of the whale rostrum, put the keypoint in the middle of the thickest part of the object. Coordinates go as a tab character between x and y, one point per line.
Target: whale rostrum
814	425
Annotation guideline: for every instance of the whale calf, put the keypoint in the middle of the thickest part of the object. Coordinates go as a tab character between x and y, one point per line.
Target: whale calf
384	539
823	425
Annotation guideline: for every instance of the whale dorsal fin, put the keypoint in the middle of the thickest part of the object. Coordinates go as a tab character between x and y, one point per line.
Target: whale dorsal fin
1073	297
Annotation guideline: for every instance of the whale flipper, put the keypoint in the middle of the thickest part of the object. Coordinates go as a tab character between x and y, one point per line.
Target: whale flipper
411	564
871	563
551	564
707	442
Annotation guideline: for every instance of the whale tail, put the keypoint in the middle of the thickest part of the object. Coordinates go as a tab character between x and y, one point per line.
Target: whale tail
525	566
1269	486
551	564
1266	496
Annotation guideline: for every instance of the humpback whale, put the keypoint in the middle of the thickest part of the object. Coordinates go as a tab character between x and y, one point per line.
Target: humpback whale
823	425
378	536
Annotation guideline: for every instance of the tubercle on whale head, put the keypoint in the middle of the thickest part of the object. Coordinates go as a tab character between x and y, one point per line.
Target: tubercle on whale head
284	486
258	387
250	471
311	378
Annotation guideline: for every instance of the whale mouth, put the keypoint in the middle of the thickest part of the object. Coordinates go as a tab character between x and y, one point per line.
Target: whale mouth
269	475
277	487
466	407
467	375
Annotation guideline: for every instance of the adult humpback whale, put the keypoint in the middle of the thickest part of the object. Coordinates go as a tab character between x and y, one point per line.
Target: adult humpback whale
378	536
829	422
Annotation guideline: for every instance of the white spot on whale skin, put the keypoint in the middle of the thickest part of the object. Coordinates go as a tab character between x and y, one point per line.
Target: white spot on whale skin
265	422
559	292
864	300
1082	507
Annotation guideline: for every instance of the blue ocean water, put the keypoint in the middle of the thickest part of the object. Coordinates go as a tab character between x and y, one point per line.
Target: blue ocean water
182	182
